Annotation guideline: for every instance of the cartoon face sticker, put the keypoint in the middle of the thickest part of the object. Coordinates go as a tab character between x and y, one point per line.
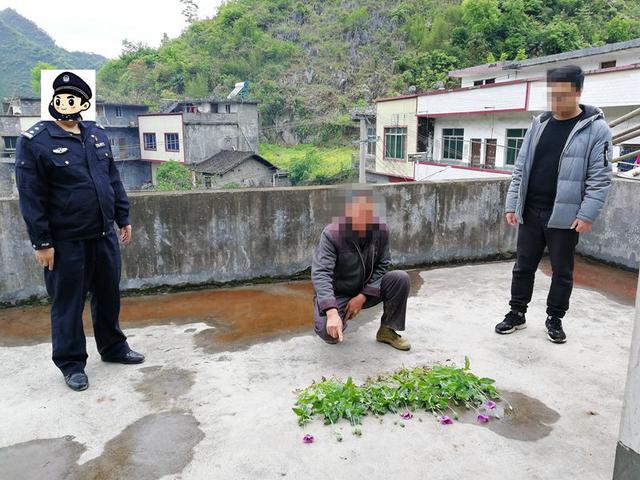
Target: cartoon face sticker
71	96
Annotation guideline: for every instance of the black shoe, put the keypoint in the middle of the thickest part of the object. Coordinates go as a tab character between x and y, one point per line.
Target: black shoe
555	333
77	381
128	358
512	321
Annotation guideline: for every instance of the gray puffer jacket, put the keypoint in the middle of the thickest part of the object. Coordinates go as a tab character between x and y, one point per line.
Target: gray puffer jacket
584	171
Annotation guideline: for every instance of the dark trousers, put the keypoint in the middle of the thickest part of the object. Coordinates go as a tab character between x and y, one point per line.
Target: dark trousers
82	266
533	237
394	291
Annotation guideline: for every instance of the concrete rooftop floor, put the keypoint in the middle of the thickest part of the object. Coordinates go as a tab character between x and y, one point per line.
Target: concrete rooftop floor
214	397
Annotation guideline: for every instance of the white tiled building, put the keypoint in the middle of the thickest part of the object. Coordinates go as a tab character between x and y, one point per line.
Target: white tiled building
482	123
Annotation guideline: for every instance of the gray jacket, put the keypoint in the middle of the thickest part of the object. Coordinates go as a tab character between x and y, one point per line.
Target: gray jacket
584	171
341	269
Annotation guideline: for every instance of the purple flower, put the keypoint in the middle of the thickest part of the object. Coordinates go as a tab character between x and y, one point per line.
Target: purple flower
445	420
308	438
407	415
482	418
490	405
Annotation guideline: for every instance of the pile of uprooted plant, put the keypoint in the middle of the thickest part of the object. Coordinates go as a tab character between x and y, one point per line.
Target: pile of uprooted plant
439	389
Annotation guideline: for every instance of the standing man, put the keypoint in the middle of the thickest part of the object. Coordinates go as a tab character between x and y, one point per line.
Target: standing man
559	185
349	273
70	196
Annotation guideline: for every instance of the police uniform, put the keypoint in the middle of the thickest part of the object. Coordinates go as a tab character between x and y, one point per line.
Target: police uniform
70	196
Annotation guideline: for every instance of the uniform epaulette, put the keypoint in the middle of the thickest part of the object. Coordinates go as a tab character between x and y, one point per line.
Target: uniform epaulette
99	126
33	130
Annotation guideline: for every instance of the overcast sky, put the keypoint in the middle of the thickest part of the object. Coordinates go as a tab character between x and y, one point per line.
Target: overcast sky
100	26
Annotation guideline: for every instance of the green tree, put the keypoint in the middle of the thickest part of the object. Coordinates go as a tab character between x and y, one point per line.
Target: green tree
189	10
173	175
620	28
424	69
36	74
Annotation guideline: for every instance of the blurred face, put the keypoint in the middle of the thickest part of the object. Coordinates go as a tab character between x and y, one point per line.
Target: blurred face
360	211
563	97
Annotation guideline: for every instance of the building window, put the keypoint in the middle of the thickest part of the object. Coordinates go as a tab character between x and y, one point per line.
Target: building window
227	108
171	142
395	143
371	140
207	181
190	108
609	64
489	81
100	110
149	141
515	136
452	143
214	108
10	143
477	83
118	111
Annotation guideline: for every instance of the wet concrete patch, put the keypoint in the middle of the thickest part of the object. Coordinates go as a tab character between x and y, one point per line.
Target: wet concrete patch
50	459
616	284
162	386
238	314
529	419
155	446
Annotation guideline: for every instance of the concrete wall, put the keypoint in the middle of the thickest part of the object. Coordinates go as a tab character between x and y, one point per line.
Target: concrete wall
221	236
206	134
616	234
204	140
134	173
627	466
249	123
106	114
250	173
7	180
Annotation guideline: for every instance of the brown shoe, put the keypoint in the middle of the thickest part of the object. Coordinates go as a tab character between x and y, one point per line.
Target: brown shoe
387	335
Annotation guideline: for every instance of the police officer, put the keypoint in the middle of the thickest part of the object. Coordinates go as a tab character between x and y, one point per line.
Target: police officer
70	197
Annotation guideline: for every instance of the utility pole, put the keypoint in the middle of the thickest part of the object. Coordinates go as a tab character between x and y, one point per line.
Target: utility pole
364	141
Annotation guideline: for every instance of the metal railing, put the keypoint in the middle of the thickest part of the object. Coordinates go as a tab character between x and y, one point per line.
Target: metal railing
626	134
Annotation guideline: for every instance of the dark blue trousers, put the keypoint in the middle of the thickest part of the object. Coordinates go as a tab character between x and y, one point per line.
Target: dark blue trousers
81	267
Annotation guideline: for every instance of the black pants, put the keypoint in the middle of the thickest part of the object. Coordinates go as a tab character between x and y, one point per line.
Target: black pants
533	237
394	290
82	266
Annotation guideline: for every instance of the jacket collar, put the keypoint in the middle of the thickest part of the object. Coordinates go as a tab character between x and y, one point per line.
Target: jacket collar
57	131
591	113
